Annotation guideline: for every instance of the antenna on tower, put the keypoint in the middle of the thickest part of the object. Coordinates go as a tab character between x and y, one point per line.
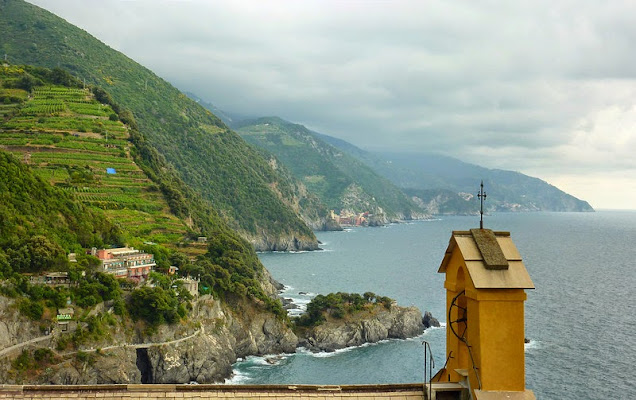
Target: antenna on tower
482	196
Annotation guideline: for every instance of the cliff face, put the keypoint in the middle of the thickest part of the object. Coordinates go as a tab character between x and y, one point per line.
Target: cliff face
224	336
201	350
13	327
398	323
266	242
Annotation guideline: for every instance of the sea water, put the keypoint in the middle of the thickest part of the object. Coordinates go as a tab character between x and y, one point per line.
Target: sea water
580	319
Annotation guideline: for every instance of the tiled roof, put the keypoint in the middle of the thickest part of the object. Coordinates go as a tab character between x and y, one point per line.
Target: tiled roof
491	258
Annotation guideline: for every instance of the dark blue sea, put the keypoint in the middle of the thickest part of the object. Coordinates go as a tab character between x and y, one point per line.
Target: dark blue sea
581	319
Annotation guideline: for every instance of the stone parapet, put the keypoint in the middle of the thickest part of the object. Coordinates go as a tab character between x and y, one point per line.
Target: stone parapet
167	391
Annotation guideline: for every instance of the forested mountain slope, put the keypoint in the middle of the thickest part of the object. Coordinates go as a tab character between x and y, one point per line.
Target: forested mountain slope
338	179
205	153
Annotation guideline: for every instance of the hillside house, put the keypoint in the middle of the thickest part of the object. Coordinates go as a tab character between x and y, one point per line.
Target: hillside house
126	262
52	279
64	319
191	285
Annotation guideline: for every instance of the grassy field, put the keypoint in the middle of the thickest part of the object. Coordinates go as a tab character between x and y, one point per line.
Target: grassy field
71	140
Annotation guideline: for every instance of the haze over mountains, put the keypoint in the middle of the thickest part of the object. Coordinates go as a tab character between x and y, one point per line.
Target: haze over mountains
436	184
266	201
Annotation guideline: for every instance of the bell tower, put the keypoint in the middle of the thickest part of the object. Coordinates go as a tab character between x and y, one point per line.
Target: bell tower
485	293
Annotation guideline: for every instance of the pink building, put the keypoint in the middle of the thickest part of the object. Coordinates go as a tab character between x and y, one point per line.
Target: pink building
125	262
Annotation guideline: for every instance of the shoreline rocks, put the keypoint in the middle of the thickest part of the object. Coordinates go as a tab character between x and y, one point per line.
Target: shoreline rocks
204	349
430	321
364	327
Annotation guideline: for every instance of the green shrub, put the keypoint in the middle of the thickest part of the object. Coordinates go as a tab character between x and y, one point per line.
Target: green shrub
154	305
31	309
43	355
23	362
337	305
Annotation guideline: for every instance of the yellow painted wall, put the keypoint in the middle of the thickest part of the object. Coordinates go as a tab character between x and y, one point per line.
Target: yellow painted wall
495	332
498	338
461	358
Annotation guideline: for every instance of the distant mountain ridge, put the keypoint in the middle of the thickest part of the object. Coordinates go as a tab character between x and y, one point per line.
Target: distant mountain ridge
341	181
438	184
432	178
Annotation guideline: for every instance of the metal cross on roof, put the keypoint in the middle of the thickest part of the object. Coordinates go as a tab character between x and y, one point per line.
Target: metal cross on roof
482	196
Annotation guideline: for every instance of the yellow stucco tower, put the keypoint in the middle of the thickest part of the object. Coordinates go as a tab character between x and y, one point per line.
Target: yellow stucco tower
485	283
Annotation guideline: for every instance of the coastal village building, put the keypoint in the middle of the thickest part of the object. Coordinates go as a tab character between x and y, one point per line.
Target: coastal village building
52	279
349	218
126	262
64	319
191	285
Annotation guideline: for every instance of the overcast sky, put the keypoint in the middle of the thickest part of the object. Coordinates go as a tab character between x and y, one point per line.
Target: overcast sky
547	88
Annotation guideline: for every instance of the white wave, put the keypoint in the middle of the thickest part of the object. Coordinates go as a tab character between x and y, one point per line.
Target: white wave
259	361
531	345
299	300
325	354
237	378
433	328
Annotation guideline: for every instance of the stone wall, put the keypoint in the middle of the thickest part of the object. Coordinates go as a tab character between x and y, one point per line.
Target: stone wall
271	392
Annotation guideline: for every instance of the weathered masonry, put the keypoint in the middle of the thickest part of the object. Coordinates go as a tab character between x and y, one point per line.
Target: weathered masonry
186	392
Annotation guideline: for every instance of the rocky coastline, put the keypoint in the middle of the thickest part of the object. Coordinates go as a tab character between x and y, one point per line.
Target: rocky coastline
201	350
283	243
367	327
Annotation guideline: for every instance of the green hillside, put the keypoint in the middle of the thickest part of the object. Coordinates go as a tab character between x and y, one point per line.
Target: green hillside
71	140
339	180
79	178
205	154
40	223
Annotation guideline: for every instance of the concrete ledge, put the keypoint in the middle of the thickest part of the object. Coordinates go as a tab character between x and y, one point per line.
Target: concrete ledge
72	388
402	387
502	395
414	391
11	388
151	388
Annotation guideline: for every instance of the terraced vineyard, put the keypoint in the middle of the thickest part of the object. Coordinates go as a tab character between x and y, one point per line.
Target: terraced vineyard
74	142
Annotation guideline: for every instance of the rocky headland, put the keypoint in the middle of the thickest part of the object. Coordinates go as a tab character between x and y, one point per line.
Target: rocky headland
367	326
